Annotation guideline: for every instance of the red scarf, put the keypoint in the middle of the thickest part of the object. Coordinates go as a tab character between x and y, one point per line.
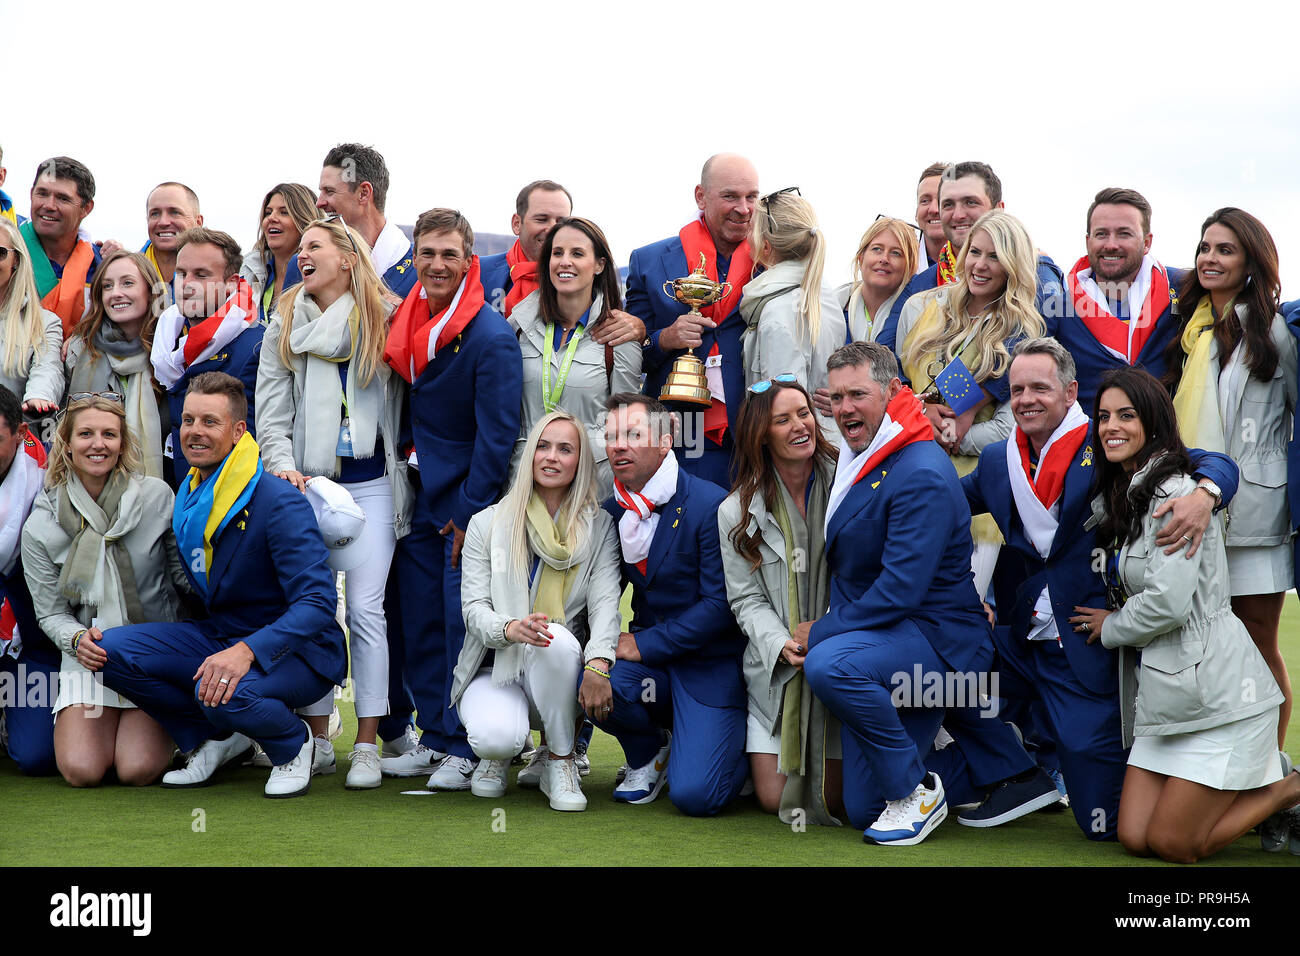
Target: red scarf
1048	479
947	263
407	349
638	504
903	409
200	335
523	277
1111	332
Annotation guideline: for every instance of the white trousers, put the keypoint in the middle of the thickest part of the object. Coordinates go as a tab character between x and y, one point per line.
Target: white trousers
363	590
497	719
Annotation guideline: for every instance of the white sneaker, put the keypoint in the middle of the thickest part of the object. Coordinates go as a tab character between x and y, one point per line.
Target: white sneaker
560	782
581	760
409	740
363	772
206	760
454	773
335	724
910	820
526	754
293	779
531	776
414	763
643	784
489	779
324	762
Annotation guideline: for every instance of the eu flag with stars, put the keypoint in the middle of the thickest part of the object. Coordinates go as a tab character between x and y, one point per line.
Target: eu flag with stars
958	387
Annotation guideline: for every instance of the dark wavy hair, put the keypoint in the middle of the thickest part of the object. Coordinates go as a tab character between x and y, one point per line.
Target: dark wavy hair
752	463
1261	296
606	283
1125	506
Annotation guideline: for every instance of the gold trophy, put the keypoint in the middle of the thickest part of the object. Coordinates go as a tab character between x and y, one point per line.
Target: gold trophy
687	382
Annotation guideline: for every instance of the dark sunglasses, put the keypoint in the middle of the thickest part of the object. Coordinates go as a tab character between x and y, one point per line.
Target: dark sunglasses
4	253
335	217
766	200
909	225
758	388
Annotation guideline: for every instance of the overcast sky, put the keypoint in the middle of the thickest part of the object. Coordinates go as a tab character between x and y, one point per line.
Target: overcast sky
1193	103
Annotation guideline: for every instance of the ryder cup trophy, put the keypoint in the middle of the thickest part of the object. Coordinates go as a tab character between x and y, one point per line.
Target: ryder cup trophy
687	382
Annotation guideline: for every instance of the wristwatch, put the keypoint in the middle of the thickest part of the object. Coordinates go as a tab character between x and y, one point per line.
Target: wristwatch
1213	489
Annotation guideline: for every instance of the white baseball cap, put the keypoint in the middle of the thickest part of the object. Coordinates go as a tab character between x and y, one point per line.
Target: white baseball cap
341	522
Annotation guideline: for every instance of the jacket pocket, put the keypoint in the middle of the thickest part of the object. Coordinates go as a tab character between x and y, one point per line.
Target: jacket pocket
1174	653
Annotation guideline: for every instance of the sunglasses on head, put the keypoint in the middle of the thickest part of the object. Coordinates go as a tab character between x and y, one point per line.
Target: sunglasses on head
335	217
107	396
766	201
788	378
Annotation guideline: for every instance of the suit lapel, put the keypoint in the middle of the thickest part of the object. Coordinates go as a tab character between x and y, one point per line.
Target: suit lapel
1076	494
229	544
859	497
671	514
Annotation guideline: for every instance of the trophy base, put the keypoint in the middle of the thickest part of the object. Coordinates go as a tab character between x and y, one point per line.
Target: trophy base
687	383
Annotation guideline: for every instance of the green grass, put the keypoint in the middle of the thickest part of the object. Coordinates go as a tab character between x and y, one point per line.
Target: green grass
45	822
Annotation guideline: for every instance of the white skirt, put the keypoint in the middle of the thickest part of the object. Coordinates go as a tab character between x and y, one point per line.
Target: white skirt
759	741
80	686
1266	570
1241	755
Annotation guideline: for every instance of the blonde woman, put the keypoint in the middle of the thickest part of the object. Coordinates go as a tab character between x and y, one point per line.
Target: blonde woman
978	319
272	264
540	586
793	321
99	552
322	409
108	350
31	338
885	260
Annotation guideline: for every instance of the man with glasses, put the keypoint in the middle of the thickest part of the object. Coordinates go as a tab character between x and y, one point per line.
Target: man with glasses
727	197
63	195
354	186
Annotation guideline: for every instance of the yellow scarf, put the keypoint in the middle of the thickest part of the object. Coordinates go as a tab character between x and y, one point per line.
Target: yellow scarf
557	576
1196	403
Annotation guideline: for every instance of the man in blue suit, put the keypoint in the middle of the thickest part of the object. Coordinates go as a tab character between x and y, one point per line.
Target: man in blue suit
904	616
679	668
461	382
252	550
509	277
726	196
1038	487
354	185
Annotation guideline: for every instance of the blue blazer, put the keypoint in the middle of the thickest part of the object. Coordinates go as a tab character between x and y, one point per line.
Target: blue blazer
36	646
463	414
494	273
1047	295
680	613
647	270
240	360
1291	312
401	278
899	549
270	584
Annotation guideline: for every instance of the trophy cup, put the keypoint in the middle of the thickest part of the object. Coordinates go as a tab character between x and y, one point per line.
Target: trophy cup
686	381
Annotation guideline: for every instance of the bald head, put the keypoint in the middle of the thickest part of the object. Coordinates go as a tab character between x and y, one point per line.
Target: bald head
171	209
727	193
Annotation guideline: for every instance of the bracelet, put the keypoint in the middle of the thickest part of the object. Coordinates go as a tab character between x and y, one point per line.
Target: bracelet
76	639
504	635
596	670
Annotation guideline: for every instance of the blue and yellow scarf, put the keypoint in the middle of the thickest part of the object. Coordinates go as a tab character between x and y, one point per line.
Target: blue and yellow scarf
205	506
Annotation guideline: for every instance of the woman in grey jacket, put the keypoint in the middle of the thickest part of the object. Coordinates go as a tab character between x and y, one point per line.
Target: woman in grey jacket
1204	768
1233	365
98	552
774	560
540	586
31	337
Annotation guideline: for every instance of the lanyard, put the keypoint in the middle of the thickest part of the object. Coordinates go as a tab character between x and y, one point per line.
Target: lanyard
550	399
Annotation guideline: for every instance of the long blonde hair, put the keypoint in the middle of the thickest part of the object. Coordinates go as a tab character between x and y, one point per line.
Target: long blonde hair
368	292
22	318
1014	314
788	225
574	518
59	466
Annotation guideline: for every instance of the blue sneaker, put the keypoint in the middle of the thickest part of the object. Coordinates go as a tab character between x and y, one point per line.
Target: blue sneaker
908	821
1011	800
643	784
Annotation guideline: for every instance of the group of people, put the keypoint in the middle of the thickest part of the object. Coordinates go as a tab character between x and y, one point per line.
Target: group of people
968	532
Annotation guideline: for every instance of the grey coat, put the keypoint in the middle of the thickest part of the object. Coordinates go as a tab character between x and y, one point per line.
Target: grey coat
41	377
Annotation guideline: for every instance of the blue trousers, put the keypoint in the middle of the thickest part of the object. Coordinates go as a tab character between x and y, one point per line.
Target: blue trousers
706	764
424	601
29	715
154	666
887	747
1085	726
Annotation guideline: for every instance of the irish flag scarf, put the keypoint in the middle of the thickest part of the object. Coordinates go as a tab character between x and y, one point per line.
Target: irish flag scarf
523	277
174	352
205	506
416	334
64	296
1148	297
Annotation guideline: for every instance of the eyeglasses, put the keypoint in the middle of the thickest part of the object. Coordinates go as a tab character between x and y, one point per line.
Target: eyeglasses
107	396
335	217
758	388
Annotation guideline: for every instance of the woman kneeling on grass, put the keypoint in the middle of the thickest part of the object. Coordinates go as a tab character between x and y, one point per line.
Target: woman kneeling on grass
98	552
531	566
1204	768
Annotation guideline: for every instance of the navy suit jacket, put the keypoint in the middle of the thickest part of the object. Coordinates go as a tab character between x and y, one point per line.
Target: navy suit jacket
463	414
239	359
1291	312
401	277
680	613
899	550
270	584
494	273
36	646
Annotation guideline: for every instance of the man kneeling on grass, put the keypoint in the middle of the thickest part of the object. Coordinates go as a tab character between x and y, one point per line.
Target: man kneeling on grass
253	553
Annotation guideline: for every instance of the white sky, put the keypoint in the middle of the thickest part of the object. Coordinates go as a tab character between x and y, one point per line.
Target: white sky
1196	104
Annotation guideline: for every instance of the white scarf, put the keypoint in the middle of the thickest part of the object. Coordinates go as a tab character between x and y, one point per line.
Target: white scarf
105	591
168	352
16	496
636	529
847	468
1137	295
390	248
321	340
